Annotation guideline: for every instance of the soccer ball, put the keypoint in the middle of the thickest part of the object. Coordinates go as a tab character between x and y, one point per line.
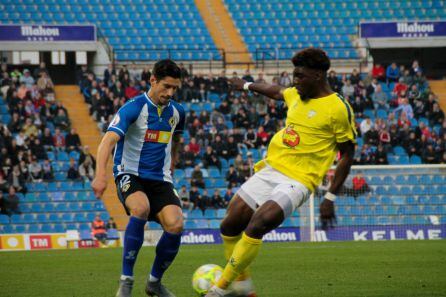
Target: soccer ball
205	277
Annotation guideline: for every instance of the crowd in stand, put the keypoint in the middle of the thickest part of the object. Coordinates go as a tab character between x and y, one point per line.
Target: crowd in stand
26	140
254	118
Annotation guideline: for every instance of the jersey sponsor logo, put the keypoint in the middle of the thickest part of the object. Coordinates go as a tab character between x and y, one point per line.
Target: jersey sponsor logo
124	184
157	136
290	137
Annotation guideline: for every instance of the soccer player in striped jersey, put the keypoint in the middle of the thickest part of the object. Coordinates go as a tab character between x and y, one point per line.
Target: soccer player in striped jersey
144	135
319	124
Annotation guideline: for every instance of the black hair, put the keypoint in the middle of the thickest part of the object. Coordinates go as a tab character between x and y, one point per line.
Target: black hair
313	58
164	68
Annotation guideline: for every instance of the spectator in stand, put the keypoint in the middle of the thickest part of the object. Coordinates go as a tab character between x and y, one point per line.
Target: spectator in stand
61	120
131	91
429	156
366	155
285	79
371	137
355	77
248	77
250	138
35	170
73	172
46	86
58	140
204	202
27	79
366	125
218	201
86	170
385	139
210	158
412	144
183	194
358	107
230	149
262	137
72	141
348	90
11	202
381	156
436	117
47	139
108	73
415	68
334	82
228	195
378	72
360	185
392	73
47	168
194	196
41	69
17	180
197	177
4	185
29	128
187	158
232	176
111	224
98	229
405	108
86	155
380	98
413	93
194	146
244	174
400	87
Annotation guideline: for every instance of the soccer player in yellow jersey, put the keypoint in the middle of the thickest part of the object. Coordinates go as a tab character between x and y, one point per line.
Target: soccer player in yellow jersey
319	124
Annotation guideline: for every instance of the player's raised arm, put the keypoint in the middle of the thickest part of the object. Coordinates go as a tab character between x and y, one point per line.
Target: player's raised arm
347	150
105	149
271	91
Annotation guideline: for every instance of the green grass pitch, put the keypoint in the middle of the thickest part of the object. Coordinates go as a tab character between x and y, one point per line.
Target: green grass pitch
356	269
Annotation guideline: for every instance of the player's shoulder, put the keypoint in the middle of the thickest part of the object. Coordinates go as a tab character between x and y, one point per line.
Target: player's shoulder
136	103
177	106
339	105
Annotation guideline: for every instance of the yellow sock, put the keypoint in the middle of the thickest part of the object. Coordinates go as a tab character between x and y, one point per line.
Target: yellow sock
229	243
245	251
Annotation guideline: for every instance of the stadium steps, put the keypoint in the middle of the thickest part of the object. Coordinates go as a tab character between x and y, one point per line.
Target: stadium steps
223	31
90	135
439	88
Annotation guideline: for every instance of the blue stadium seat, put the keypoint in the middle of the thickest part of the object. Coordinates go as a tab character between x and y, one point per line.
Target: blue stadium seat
85	235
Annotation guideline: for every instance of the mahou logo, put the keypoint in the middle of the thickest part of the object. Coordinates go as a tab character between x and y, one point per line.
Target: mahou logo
290	137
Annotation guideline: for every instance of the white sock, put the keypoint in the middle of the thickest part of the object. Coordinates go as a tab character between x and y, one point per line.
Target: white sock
124	277
153	279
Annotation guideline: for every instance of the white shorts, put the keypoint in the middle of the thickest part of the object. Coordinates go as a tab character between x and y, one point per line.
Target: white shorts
270	184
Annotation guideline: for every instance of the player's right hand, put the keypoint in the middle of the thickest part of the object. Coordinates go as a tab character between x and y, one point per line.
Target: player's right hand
237	83
99	185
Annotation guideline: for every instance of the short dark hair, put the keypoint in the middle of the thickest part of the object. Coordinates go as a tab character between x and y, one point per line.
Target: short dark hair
164	68
313	58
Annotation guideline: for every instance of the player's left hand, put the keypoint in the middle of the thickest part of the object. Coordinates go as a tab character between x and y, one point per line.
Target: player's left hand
327	213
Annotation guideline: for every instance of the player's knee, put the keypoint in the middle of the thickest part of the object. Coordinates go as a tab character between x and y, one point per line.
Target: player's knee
175	226
257	227
140	211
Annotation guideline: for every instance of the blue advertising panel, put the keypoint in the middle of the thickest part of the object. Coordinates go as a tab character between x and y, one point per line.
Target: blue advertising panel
52	33
351	233
403	29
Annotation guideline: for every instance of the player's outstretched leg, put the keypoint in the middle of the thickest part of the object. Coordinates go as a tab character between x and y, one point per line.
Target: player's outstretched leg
133	239
171	218
268	217
237	217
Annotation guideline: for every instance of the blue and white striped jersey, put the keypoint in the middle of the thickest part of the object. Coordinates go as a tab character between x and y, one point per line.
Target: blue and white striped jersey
146	132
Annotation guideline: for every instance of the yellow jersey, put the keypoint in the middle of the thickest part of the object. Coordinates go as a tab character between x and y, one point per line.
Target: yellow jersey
305	149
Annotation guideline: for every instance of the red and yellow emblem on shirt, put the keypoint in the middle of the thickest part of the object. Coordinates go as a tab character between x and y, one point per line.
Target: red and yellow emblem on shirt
290	137
157	136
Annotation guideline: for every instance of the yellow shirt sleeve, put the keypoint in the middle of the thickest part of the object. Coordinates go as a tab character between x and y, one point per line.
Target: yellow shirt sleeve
290	96
343	123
